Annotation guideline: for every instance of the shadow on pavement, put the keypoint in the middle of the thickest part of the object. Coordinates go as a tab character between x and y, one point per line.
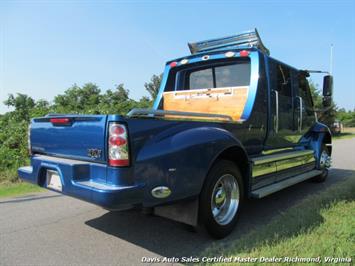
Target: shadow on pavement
171	239
29	198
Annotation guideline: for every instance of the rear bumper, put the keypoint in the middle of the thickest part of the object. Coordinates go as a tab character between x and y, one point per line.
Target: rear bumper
78	181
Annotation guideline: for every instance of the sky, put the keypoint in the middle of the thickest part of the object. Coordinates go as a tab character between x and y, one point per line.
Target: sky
47	46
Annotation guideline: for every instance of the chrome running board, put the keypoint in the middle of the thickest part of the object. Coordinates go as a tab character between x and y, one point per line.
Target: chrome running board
264	191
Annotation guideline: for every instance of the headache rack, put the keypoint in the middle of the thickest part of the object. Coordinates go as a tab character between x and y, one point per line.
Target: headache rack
243	40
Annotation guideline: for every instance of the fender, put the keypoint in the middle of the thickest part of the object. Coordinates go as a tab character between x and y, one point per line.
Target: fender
180	158
318	135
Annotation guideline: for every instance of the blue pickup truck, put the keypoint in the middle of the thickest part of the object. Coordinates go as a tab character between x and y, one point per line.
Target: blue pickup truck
229	123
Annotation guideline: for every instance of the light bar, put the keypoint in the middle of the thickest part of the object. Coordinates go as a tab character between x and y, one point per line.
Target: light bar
243	40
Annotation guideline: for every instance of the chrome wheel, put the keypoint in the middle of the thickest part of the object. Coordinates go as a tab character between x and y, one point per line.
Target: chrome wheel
325	160
225	199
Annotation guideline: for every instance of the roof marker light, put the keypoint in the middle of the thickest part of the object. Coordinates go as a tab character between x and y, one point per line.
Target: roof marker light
244	53
229	54
205	57
184	61
173	64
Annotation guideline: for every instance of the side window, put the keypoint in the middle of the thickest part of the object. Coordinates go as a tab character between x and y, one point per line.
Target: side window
283	80
281	83
305	94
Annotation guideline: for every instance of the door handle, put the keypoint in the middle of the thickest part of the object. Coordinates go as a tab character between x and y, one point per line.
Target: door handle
300	118
276	117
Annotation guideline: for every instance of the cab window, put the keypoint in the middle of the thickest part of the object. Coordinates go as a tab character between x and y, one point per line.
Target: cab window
218	75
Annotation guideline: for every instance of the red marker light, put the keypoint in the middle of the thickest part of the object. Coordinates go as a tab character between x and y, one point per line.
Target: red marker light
173	64
59	120
244	53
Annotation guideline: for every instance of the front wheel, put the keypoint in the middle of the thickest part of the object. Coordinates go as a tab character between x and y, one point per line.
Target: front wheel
221	198
324	164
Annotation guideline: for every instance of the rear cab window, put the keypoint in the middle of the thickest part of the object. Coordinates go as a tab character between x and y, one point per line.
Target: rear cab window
216	87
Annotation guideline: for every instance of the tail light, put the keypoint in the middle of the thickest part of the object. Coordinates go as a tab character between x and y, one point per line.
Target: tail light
118	145
29	139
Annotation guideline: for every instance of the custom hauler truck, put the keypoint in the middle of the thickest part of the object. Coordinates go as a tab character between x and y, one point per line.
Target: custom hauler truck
229	123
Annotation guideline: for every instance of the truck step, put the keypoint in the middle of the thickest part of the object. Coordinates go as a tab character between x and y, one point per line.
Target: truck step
264	191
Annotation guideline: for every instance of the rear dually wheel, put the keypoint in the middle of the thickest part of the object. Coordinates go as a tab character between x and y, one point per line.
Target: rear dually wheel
221	199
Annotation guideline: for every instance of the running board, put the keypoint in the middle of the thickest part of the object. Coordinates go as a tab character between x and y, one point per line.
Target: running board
265	191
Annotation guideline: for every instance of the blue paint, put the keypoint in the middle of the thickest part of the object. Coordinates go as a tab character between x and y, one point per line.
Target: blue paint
162	87
254	78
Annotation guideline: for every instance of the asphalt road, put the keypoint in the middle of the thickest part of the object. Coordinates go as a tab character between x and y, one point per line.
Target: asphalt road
51	229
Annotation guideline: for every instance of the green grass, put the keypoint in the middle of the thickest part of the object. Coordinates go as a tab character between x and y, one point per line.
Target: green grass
19	188
321	225
345	135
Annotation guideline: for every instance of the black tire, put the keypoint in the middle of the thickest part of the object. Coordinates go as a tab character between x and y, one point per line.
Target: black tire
225	169
323	176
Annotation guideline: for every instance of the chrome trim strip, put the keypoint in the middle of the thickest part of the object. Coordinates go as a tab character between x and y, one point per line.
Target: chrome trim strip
278	162
28	169
99	186
146	112
279	157
301	117
264	169
276	118
289	163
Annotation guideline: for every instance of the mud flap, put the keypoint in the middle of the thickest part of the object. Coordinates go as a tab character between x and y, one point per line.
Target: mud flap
184	212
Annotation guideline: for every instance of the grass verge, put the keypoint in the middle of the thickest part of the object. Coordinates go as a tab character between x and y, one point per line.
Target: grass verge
19	188
345	135
322	225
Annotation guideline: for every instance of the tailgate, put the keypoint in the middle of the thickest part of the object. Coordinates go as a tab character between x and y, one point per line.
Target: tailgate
75	136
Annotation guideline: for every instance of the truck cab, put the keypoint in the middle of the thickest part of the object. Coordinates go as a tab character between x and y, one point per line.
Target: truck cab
229	122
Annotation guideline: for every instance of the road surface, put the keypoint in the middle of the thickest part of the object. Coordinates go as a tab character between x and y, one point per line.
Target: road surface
51	229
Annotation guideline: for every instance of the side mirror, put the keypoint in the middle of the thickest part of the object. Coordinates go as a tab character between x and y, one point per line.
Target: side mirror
328	86
327	101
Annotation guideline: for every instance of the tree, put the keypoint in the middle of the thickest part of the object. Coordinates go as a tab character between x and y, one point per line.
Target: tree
116	101
346	117
153	85
77	99
316	95
22	103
